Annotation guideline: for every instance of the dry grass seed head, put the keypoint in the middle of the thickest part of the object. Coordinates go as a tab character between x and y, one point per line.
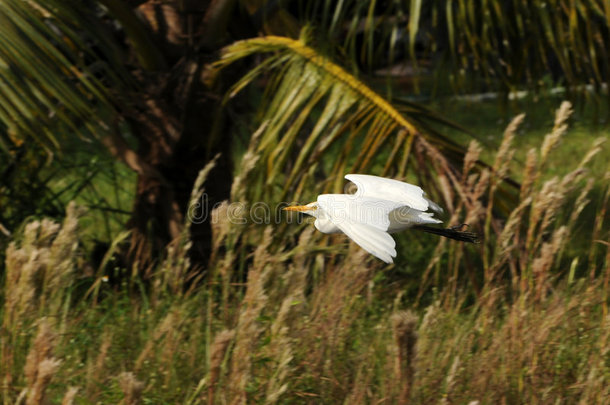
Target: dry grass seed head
505	152
476	210
280	348
95	371
548	218
283	357
475	214
431	316
175	328
218	352
221	228
47	230
404	327
219	348
40	260
581	201
248	329
248	163
451	380
595	149
62	255
445	171
529	173
482	184
302	253
570	180
22	271
341	284
262	256
335	304
43	346
165	327
543	202
552	140
511	228
295	280
446	191
47	368
202	176
471	157
563	113
66	242
282	319
551	200
541	265
39	234
511	129
471	180
55	257
361	392
68	398
131	387
220	225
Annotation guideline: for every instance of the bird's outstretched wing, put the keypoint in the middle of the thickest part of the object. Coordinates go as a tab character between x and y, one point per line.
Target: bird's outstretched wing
378	243
392	190
365	220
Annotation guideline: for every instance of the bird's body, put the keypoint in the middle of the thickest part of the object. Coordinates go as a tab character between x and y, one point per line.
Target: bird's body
379	207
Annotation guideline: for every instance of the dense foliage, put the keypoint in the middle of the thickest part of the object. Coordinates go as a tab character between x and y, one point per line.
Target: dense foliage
147	146
519	318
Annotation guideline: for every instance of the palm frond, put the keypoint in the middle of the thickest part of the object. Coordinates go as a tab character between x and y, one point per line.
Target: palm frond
501	45
46	85
322	119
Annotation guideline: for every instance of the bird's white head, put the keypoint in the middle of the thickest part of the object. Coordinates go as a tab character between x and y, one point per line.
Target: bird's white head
322	223
309	209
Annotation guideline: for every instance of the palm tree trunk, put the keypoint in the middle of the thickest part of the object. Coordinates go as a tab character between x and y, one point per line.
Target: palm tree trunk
174	121
176	144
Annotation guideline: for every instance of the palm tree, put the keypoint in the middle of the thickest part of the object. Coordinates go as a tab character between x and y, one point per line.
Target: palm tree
130	75
65	75
144	79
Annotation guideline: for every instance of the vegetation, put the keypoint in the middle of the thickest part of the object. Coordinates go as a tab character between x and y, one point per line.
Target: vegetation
521	317
138	80
138	140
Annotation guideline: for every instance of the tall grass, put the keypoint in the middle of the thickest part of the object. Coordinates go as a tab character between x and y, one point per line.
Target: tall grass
287	317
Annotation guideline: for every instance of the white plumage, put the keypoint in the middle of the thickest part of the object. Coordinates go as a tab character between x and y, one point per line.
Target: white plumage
379	206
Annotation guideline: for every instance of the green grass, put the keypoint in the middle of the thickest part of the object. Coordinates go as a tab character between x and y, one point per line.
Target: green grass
94	179
486	120
319	321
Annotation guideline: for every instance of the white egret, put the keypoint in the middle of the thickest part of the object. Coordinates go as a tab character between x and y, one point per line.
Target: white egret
379	207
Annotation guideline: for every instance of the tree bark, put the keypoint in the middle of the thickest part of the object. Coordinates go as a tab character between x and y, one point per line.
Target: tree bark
174	118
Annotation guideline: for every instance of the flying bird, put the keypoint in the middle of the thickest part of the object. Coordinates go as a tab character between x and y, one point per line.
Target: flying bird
379	207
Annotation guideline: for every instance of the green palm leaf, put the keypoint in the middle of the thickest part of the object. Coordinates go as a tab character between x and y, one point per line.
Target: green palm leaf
509	44
322	120
46	88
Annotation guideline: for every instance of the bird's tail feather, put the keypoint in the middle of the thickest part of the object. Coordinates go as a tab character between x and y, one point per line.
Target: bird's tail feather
451	233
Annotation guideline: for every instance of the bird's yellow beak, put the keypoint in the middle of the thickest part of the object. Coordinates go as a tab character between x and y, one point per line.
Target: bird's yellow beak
299	208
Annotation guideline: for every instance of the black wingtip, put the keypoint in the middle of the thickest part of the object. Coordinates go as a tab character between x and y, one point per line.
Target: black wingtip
453	232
